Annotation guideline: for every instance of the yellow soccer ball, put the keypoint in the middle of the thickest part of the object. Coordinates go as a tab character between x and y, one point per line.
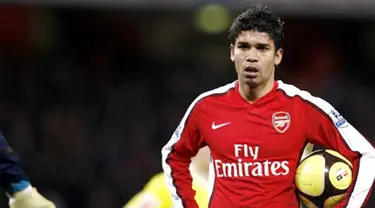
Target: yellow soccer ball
323	178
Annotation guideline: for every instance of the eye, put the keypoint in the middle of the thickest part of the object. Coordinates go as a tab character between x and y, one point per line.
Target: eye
243	46
262	48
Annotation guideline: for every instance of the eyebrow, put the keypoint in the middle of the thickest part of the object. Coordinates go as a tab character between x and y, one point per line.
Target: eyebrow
257	44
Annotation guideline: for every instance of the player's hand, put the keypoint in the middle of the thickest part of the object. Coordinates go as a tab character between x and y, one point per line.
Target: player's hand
30	199
309	148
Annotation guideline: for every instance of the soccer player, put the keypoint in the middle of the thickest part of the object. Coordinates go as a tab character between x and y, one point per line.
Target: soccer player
155	194
256	129
15	182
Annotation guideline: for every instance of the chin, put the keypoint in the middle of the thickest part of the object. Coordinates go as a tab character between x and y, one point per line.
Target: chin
252	83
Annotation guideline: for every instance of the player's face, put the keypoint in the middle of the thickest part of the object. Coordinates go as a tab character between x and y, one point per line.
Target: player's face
254	57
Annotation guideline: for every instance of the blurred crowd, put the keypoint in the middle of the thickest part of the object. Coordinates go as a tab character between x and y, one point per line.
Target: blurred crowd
89	96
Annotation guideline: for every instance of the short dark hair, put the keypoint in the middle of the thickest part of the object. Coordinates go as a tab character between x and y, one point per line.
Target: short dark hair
259	18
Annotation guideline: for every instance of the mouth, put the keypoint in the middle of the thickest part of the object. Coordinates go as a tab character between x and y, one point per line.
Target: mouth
251	72
251	69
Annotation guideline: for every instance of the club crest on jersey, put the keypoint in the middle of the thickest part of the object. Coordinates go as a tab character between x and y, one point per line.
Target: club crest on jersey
281	121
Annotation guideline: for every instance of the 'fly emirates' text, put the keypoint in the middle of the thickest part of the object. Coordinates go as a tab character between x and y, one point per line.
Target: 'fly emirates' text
254	168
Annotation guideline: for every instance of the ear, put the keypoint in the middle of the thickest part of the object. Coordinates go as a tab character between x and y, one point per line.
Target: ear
278	56
231	52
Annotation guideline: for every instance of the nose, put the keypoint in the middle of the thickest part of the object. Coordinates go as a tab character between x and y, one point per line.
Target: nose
252	56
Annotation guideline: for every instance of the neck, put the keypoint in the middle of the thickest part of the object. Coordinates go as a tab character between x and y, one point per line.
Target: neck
251	94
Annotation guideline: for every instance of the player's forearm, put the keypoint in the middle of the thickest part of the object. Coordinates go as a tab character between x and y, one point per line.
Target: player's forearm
364	175
178	178
13	178
15	182
364	182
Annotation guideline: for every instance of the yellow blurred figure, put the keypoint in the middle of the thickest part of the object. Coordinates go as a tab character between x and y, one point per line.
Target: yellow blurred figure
155	193
30	198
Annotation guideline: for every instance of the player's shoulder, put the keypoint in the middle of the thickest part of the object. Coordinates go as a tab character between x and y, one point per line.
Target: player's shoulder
306	97
293	91
213	93
221	90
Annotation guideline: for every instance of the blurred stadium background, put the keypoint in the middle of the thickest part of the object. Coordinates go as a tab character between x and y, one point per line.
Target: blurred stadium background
92	89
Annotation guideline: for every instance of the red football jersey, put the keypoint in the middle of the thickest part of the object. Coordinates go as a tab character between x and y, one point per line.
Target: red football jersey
256	147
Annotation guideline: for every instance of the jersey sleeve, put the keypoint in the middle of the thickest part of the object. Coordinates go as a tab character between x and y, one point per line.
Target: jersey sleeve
326	127
154	195
13	178
176	158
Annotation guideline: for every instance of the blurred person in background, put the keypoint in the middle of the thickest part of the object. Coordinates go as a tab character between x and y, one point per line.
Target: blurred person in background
256	129
155	193
16	183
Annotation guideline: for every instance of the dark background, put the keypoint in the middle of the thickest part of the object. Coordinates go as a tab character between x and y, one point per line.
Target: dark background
89	94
